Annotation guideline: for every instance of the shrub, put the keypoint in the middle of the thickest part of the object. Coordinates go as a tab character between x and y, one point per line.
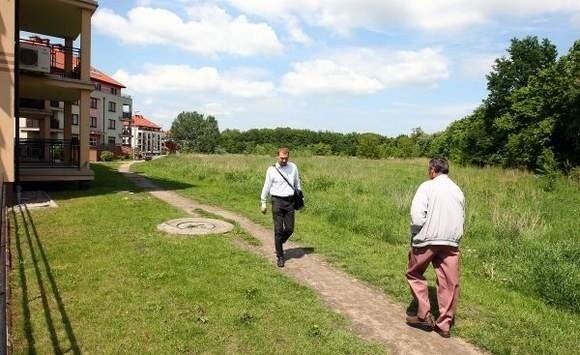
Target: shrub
107	156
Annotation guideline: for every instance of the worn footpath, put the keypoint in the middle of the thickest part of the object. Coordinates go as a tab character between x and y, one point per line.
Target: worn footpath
371	313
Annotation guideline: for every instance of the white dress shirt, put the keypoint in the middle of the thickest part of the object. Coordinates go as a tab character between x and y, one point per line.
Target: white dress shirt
274	185
437	213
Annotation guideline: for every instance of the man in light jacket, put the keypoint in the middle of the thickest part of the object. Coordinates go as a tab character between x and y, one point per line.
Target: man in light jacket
282	179
438	215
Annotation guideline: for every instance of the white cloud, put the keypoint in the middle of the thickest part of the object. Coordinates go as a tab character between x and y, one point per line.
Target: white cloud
182	79
343	15
478	65
296	33
326	77
425	67
219	110
575	20
208	31
366	71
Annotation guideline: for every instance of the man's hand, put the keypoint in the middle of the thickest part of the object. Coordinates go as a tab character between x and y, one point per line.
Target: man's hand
263	209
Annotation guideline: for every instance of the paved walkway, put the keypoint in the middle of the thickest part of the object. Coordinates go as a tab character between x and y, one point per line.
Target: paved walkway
372	314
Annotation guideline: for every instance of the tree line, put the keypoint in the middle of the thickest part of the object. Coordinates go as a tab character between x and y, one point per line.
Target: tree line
529	119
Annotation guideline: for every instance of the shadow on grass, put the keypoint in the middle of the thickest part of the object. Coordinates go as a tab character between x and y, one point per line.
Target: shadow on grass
412	307
297	253
107	181
47	288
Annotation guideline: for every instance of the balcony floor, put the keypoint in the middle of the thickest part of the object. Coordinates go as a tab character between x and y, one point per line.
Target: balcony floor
56	174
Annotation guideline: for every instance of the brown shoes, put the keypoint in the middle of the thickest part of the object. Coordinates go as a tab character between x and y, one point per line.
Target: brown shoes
443	333
426	324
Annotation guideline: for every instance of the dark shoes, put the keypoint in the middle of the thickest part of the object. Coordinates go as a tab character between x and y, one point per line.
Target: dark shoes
443	333
280	261
426	324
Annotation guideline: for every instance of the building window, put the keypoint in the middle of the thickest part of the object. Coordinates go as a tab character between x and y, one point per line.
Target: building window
30	123
94	102
75	137
93	122
75	119
111	124
111	140
112	106
54	103
93	141
98	86
54	123
114	91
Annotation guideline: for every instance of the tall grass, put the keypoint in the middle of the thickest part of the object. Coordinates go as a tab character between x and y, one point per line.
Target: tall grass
521	254
94	276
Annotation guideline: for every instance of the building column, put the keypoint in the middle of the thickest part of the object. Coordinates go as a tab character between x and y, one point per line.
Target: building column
7	94
45	132
68	56
85	101
86	45
84	122
67	129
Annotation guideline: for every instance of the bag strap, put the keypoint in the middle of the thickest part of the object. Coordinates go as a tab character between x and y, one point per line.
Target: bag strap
284	177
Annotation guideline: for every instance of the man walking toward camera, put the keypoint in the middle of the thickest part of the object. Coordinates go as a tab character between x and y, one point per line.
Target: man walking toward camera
282	179
438	215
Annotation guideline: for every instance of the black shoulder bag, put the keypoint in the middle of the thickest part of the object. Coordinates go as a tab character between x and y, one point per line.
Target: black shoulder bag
298	195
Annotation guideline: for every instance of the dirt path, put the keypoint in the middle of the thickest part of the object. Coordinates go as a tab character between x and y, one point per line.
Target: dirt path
373	315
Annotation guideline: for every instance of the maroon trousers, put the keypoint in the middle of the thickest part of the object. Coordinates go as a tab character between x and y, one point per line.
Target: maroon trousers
445	260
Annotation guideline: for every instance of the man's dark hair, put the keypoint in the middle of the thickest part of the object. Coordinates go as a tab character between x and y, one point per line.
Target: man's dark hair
439	165
283	150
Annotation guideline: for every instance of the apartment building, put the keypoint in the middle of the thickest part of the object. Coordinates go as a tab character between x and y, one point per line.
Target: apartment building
32	76
146	136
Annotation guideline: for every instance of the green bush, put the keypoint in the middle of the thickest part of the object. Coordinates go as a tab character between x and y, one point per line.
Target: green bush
107	156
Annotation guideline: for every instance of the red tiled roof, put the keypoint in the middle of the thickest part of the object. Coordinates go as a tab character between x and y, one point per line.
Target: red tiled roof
102	77
141	121
95	73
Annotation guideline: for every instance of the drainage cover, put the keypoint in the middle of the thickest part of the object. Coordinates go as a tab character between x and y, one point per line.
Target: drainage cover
195	226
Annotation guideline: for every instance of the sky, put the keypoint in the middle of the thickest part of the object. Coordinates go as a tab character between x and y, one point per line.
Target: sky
382	66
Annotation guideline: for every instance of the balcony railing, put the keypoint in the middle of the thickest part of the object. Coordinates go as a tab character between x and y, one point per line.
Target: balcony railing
57	60
49	153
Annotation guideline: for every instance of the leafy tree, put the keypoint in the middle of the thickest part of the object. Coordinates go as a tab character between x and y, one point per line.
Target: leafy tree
369	146
195	132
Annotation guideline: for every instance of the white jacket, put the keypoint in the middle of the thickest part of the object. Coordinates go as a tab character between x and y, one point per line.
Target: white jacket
437	213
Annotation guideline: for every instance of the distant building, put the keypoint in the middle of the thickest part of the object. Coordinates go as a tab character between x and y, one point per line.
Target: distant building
146	136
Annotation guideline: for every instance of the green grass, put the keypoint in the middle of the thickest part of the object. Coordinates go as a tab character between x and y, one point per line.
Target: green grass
94	276
520	252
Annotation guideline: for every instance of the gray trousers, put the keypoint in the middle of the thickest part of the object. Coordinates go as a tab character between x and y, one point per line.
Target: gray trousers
283	215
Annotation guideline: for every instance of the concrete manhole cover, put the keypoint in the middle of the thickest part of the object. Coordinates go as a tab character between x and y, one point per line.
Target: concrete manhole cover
195	226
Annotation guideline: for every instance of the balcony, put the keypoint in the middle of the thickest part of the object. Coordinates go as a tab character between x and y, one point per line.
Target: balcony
58	55
48	153
46	75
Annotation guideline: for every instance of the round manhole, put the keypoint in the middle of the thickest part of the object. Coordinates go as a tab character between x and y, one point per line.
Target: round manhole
195	226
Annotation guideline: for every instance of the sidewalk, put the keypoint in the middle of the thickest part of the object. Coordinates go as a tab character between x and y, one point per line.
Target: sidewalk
372	314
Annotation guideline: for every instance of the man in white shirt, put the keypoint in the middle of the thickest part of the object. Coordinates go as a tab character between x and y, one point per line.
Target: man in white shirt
438	215
279	179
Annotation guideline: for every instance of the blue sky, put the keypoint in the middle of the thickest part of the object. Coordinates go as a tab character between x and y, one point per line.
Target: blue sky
383	66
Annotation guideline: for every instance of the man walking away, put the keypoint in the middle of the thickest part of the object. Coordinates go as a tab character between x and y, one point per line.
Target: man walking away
438	215
279	178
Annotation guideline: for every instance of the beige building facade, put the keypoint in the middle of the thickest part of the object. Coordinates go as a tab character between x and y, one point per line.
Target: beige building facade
33	88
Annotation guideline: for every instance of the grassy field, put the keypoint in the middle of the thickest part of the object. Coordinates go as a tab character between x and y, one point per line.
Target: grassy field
520	253
94	276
